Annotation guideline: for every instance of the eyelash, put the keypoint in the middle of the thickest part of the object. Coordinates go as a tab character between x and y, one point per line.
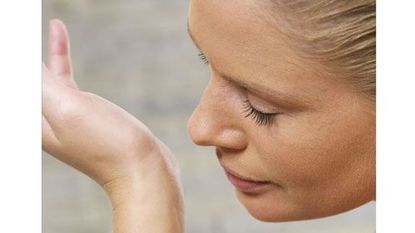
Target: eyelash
203	58
260	118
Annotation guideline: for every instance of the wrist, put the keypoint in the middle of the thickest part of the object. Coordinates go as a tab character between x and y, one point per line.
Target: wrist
148	209
149	196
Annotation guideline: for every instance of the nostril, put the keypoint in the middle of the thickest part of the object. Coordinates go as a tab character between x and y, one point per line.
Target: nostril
205	130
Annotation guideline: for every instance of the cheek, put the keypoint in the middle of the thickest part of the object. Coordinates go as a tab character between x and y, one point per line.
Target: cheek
308	154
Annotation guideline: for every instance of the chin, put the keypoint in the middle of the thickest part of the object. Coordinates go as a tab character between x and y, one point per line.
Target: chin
264	216
274	207
267	209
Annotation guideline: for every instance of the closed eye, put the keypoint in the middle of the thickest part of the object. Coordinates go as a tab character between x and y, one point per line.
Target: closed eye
260	118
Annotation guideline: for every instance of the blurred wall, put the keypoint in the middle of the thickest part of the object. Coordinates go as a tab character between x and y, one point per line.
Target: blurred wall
137	54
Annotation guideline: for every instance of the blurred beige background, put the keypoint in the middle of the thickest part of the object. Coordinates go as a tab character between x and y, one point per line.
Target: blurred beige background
137	54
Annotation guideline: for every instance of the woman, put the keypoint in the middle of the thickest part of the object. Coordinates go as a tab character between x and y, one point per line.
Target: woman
290	108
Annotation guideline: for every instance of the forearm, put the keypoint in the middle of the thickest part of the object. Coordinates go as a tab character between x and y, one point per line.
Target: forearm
148	202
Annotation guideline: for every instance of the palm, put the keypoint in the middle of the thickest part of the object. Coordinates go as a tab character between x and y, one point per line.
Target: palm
82	129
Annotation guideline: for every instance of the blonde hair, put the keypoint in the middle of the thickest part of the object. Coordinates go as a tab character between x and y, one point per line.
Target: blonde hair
340	34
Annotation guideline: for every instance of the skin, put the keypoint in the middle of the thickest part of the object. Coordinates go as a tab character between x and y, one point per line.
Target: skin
93	135
319	152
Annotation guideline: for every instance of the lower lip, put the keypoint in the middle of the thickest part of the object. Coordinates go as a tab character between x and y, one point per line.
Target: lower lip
247	186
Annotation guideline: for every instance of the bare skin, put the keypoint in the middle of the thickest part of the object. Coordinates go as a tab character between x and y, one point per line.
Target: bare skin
318	154
313	153
137	171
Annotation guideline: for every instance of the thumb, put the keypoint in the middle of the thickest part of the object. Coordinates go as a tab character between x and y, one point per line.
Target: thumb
59	58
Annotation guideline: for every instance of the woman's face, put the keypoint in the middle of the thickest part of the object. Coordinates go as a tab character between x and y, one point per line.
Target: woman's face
314	153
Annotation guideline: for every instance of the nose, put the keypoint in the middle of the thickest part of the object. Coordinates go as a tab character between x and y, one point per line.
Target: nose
215	121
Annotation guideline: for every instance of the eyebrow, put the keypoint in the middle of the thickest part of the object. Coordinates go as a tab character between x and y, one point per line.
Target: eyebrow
286	100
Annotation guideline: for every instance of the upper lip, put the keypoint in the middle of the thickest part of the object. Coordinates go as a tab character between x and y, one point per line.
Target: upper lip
236	174
233	173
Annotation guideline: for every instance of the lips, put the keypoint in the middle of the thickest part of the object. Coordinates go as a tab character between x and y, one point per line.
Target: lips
242	183
245	185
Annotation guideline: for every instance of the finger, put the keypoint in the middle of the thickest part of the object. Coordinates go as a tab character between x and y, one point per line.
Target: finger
59	58
49	140
46	74
50	97
54	94
59	62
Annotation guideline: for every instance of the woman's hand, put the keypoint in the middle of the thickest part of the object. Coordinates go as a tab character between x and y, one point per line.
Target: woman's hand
84	130
108	144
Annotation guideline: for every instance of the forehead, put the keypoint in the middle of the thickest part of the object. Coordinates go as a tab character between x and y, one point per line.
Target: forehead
239	38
